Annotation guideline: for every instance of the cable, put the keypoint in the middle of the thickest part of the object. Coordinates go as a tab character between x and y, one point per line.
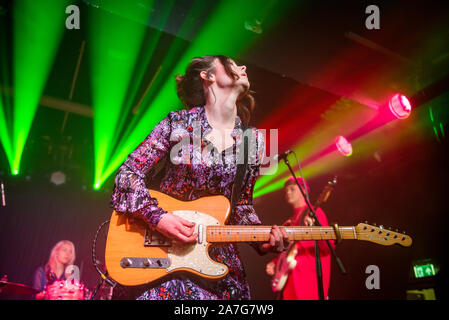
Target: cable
104	276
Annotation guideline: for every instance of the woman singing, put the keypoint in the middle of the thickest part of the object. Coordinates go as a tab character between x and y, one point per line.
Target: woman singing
217	100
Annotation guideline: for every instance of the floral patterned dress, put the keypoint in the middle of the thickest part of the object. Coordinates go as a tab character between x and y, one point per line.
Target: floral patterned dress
195	171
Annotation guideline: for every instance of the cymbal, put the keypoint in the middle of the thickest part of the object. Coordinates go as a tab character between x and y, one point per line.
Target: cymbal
16	288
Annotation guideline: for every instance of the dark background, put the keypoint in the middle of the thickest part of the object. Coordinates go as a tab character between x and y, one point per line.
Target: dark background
407	189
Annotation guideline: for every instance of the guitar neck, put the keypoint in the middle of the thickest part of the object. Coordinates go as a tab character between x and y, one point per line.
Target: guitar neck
262	233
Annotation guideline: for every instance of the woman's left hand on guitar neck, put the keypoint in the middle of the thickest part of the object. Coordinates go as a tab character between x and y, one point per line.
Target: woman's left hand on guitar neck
278	241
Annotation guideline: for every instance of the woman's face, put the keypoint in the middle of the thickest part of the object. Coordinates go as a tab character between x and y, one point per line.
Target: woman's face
224	80
65	254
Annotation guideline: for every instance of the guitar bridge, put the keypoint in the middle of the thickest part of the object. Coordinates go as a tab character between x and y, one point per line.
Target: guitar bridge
154	238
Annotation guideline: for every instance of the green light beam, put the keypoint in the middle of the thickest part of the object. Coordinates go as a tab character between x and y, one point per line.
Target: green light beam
223	33
167	65
315	169
115	43
141	68
38	28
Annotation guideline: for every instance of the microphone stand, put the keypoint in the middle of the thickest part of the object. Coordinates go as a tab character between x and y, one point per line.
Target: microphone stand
312	214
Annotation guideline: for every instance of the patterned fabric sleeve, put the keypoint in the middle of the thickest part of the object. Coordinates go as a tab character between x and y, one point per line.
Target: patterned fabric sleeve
130	194
39	279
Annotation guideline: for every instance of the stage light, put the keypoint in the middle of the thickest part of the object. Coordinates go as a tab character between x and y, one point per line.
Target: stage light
400	106
343	146
57	178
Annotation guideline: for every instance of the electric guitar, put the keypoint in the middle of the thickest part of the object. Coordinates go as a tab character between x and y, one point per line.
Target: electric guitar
287	259
136	254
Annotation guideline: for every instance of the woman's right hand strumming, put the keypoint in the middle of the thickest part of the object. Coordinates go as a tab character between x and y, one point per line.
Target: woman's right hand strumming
177	228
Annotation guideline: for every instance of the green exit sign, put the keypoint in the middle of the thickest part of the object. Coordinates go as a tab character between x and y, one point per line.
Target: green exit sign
425	270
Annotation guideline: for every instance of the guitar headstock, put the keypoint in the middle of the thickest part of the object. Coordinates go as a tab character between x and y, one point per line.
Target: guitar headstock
382	236
326	192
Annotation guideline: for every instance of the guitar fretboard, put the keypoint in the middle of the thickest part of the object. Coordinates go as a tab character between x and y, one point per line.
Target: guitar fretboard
262	233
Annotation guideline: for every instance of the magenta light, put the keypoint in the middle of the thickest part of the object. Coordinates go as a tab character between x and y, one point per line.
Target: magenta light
343	146
400	106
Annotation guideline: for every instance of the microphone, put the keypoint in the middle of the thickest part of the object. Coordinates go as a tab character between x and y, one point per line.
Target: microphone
282	155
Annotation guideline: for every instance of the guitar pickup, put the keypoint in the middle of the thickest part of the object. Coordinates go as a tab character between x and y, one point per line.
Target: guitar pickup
145	263
154	238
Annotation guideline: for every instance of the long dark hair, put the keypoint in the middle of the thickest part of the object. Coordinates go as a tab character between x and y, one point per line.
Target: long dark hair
189	87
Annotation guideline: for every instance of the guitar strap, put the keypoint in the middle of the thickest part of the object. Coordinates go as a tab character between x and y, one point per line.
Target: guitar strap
155	177
242	168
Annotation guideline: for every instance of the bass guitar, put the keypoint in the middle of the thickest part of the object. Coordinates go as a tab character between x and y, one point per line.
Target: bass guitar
287	259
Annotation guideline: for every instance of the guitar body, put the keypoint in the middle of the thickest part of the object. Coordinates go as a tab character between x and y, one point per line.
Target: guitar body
126	239
136	254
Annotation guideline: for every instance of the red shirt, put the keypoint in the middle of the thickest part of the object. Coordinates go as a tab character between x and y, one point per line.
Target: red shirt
302	281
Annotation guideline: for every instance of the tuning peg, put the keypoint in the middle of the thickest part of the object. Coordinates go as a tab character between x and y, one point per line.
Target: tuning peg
381	226
366	222
374	224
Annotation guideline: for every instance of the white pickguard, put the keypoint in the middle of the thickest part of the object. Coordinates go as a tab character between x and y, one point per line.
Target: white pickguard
194	255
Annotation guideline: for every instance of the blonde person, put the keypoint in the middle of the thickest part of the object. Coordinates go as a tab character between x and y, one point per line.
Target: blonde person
62	255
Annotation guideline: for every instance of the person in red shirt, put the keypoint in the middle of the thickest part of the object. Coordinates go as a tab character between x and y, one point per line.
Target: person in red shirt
302	280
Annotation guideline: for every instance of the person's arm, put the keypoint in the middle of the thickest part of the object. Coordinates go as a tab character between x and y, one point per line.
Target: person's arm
39	282
130	193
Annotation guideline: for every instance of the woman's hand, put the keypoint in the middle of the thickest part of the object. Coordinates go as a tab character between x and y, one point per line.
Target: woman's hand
177	228
269	269
278	240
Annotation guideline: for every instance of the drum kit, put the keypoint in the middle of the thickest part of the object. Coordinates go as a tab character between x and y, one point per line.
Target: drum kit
58	290
66	290
11	288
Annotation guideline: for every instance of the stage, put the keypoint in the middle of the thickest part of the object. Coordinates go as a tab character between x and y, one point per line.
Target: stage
354	94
